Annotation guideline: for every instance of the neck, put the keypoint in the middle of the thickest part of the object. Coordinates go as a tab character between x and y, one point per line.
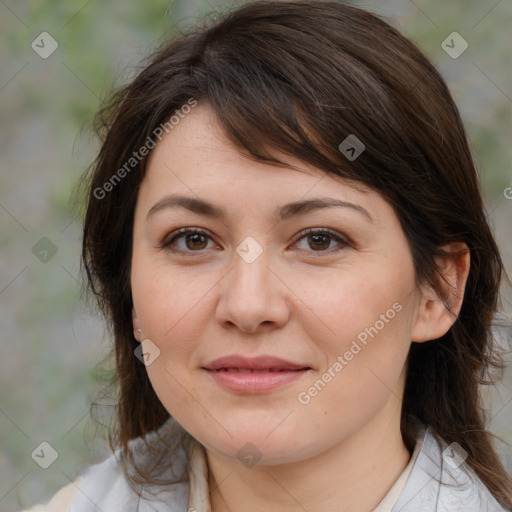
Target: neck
353	476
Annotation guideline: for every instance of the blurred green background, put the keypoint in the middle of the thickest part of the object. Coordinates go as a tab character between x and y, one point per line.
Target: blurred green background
51	341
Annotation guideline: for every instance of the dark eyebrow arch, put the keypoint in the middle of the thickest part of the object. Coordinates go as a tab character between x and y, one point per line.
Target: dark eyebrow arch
202	207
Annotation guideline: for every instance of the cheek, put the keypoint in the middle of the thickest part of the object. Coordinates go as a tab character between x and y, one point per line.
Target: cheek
356	304
364	337
362	369
170	302
172	308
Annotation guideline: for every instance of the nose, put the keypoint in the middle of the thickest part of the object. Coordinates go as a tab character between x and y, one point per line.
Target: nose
253	297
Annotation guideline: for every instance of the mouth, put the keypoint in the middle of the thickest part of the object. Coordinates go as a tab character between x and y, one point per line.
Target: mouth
254	375
265	370
264	363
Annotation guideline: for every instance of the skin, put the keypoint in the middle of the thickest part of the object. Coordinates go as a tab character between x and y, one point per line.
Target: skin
303	299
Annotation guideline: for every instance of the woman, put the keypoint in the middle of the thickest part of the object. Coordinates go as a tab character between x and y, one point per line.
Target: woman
286	232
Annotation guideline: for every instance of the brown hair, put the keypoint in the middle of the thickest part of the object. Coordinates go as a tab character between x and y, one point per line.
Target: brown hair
299	77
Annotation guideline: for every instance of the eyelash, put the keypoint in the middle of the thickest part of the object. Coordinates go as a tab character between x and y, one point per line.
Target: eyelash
303	234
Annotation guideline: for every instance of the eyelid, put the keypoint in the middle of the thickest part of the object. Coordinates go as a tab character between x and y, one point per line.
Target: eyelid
342	239
183	231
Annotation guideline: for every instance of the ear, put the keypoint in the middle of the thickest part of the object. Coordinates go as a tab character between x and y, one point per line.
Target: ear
137	331
434	319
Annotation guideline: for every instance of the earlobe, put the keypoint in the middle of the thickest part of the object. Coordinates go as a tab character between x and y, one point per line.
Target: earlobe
434	318
137	331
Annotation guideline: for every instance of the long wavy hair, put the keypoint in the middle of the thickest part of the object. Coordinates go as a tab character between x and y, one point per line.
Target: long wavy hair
299	77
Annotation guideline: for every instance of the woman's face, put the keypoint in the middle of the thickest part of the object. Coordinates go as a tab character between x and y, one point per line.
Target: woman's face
339	304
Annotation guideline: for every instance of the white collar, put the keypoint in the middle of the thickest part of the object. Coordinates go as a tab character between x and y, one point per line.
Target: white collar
434	483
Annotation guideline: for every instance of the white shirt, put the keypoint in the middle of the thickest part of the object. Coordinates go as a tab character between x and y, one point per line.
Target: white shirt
104	486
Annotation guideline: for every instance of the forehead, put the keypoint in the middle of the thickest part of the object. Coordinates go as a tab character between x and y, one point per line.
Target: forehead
197	155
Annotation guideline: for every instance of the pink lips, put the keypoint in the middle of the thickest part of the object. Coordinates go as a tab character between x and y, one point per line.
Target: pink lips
254	375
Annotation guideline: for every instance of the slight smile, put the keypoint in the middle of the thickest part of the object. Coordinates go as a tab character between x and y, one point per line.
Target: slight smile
254	375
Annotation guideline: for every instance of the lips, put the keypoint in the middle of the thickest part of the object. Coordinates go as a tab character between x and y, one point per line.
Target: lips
242	375
261	364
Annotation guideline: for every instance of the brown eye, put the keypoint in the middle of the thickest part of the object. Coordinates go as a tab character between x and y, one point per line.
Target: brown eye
320	239
195	240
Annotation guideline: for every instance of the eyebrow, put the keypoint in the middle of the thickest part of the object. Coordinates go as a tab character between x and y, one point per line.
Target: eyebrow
202	207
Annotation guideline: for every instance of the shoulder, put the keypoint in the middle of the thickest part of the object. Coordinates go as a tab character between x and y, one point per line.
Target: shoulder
162	455
441	480
104	486
62	501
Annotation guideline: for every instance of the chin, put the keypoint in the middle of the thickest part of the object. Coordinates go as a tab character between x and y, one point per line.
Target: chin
257	445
